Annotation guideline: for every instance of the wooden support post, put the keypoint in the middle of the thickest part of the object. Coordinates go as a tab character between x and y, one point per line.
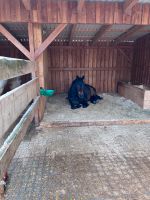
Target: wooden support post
37	37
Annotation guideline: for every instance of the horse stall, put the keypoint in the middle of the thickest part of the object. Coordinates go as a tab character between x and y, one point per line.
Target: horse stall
49	150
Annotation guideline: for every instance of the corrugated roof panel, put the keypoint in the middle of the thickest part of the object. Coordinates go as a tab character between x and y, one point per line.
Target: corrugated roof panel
115	31
146	28
64	35
18	30
85	31
137	35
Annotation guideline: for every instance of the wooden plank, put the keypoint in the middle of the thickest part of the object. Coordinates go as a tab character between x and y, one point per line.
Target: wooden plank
11	68
49	40
145	13
109	12
72	14
100	33
63	11
27	4
90	12
13	40
128	5
63	124
82	68
80	5
131	92
10	145
137	14
21	96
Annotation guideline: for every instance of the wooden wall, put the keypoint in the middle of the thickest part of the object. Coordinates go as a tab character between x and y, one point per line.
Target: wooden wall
62	11
103	67
141	61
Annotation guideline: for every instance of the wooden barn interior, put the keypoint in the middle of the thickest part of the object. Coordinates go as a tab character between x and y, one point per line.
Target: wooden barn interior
107	41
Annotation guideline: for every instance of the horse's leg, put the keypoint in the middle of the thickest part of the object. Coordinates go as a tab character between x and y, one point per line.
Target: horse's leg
74	104
95	98
85	104
92	100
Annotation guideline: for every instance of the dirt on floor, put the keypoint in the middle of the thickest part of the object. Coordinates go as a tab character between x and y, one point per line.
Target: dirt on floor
88	163
112	107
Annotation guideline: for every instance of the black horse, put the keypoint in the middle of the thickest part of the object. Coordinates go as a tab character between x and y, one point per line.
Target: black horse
80	93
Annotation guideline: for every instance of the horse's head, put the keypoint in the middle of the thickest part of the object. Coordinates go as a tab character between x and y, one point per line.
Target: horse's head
80	86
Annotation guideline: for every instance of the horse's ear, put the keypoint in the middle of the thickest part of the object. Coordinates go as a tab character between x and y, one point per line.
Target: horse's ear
83	77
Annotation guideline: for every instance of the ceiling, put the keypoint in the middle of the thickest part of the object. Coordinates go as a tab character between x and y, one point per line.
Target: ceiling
81	33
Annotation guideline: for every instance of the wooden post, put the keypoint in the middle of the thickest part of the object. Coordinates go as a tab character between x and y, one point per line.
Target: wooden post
37	37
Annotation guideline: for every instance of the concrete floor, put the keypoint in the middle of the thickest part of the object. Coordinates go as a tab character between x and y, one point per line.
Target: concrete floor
84	163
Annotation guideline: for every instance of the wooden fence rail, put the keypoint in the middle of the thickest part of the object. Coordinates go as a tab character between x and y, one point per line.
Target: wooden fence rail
13	103
10	67
12	142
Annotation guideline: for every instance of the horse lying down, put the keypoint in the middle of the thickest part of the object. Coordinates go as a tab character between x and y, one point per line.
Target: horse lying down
80	93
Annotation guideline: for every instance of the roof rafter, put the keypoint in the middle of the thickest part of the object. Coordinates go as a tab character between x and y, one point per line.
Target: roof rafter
128	33
13	40
129	4
49	40
73	27
100	33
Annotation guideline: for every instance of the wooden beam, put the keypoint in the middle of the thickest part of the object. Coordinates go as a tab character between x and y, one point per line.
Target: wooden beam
21	68
128	5
49	40
80	5
13	40
100	33
27	4
72	33
84	123
126	35
41	69
125	55
31	38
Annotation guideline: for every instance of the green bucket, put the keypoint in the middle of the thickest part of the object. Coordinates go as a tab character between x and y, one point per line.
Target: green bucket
47	93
